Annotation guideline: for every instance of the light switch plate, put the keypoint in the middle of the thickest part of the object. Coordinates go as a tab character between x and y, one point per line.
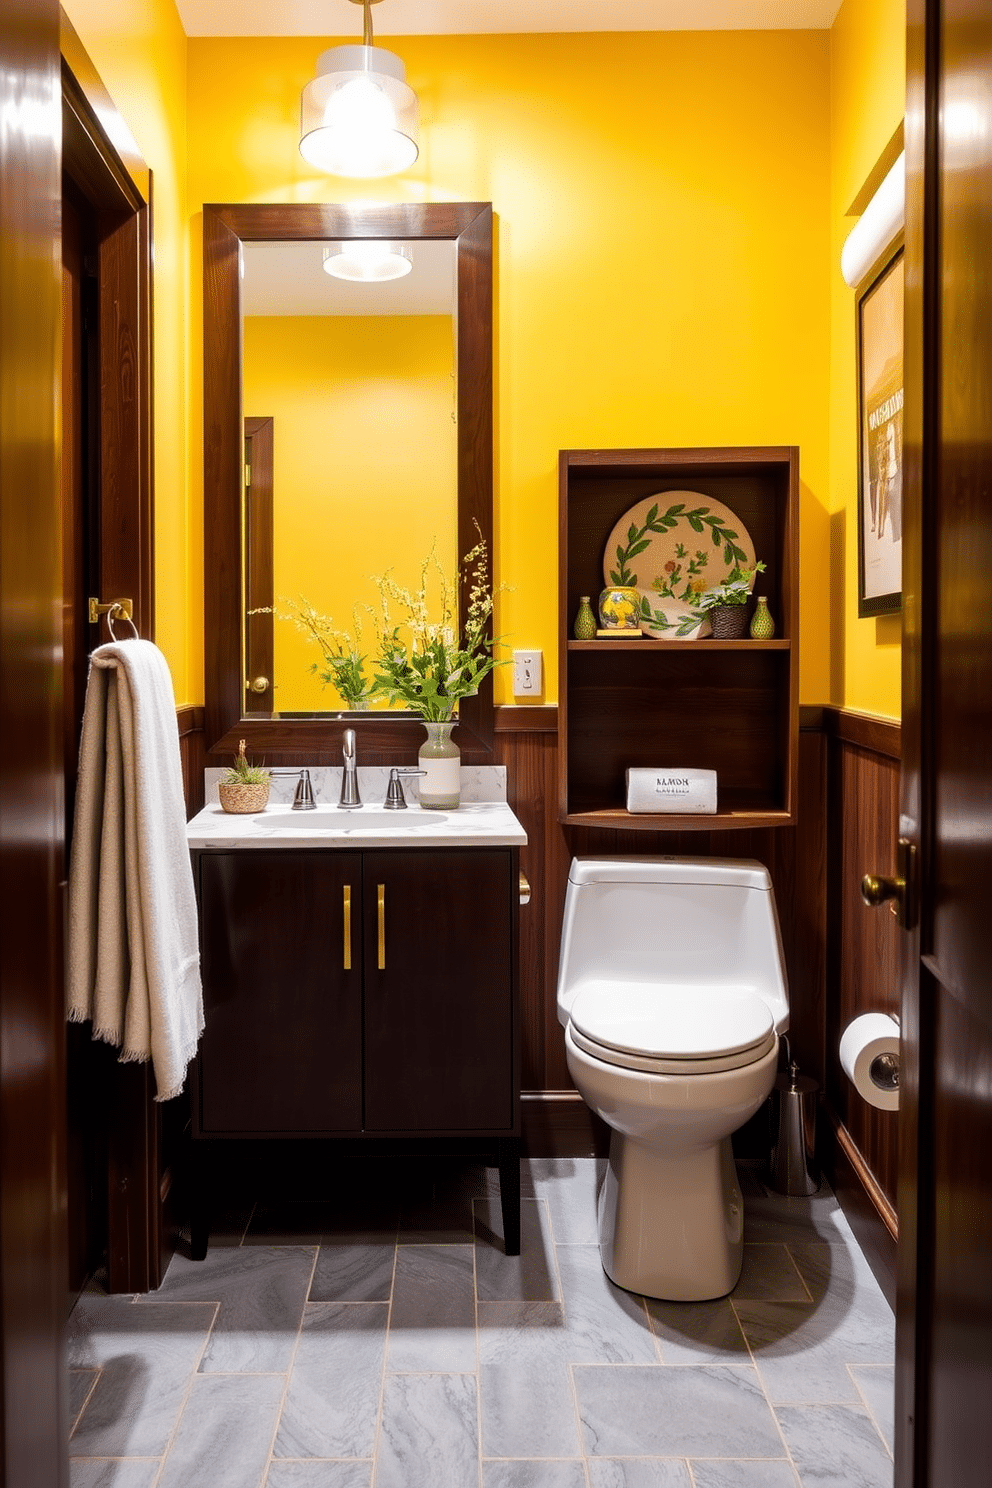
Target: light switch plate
527	673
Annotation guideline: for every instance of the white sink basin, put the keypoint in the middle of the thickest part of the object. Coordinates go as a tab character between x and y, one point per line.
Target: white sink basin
362	820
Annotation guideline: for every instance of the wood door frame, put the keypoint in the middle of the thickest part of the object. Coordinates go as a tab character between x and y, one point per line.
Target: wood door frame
116	183
259	637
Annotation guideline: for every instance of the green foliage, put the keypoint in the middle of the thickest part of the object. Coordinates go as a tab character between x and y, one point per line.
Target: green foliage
734	590
425	662
243	773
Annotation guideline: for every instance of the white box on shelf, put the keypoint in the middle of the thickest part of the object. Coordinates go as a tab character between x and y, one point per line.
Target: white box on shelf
671	791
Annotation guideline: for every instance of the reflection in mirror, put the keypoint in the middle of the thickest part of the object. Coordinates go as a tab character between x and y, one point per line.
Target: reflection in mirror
352	474
357	381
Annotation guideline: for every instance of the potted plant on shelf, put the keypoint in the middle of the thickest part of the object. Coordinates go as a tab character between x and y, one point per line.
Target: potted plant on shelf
245	787
726	603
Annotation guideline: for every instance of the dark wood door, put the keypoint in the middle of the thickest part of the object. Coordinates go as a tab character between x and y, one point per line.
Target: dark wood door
944	1311
280	939
33	1292
439	991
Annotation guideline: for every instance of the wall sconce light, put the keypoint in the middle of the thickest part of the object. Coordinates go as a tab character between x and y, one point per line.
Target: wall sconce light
367	262
359	116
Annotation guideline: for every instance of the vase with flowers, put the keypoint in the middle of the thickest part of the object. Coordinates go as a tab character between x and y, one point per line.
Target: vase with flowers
428	661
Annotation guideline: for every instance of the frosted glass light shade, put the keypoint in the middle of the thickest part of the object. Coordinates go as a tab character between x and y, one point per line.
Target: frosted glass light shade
368	262
359	117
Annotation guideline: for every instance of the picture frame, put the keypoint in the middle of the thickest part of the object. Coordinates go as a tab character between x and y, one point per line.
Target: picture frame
879	310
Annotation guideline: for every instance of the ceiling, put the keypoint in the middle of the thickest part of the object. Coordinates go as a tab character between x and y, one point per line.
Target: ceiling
340	18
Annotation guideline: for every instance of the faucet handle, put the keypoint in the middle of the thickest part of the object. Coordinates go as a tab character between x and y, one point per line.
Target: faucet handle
395	799
303	800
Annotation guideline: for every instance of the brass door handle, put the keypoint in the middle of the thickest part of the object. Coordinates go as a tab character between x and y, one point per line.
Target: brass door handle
259	684
347	926
381	909
898	889
876	890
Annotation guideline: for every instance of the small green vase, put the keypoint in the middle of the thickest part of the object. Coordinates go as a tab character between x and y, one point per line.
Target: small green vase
584	628
762	624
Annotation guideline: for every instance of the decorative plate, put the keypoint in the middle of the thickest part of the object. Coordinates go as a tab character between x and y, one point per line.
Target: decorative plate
673	546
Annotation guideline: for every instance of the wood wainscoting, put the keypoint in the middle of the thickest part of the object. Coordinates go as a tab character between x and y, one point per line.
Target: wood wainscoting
841	959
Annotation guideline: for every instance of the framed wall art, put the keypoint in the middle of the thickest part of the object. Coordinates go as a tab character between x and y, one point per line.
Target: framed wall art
880	454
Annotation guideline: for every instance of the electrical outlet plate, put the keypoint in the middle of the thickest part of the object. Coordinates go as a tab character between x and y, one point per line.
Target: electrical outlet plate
527	673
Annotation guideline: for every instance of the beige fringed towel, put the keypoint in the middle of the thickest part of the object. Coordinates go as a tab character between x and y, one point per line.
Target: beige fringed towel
133	953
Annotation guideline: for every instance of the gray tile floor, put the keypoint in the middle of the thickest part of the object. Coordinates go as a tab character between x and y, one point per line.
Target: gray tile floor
385	1341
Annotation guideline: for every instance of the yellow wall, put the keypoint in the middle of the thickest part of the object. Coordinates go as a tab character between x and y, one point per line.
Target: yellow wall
365	468
868	88
663	221
139	50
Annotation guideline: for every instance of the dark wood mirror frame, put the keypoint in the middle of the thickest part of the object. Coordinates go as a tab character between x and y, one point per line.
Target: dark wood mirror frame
381	738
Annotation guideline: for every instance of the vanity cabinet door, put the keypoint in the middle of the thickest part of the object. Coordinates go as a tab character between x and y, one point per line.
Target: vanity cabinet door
281	1052
439	991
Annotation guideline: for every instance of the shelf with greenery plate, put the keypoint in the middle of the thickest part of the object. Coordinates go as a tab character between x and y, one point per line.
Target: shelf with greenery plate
650	643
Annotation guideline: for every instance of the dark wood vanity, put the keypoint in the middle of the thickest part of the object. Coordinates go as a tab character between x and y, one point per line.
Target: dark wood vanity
361	993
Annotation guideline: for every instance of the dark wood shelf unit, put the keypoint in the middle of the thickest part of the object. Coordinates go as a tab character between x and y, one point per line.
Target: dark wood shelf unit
728	706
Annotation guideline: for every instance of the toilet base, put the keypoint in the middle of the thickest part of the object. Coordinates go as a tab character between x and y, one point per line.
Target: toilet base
671	1226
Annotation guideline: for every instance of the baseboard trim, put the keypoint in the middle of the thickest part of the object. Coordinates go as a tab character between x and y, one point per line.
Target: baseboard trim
868	1211
558	1123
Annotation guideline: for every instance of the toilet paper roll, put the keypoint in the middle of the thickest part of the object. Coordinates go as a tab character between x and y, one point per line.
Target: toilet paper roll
869	1052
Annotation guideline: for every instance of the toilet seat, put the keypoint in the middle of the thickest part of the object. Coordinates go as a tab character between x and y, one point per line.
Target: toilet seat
636	1026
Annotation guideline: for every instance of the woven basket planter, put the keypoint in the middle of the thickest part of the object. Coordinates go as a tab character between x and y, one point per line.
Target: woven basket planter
729	622
244	799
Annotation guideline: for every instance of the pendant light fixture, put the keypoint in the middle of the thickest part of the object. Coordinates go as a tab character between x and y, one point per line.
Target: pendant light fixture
367	262
359	117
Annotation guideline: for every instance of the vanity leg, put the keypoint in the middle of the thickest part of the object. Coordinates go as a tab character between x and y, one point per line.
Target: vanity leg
199	1223
509	1192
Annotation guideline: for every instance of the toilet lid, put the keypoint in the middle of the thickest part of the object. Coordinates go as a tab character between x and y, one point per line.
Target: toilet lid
714	1027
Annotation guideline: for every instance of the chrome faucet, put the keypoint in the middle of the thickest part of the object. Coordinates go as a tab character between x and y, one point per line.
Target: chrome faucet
395	799
350	797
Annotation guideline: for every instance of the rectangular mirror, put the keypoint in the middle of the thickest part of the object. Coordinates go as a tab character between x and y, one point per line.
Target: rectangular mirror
347	429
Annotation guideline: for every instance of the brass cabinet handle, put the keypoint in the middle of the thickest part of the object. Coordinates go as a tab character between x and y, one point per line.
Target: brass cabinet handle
381	905
258	684
524	889
347	926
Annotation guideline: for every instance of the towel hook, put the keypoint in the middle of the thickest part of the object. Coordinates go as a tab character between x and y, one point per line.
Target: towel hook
117	609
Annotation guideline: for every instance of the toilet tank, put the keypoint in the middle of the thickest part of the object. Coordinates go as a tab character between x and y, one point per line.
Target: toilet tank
680	924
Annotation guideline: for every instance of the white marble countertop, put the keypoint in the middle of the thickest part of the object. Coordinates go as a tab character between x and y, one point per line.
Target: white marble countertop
474	823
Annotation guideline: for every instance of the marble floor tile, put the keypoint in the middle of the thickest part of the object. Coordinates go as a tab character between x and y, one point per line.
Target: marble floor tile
690	1410
770	1274
432	1322
261	1291
877	1385
738	1474
802	1351
225	1432
108	1472
570	1188
81	1382
605	1323
779	1218
835	1446
315	1474
429	1436
638	1472
146	1355
358	1268
527	1277
698	1332
842	1278
525	1389
546	1473
333	1398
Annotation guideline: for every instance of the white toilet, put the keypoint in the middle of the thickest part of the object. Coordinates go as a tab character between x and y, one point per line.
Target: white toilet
671	987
